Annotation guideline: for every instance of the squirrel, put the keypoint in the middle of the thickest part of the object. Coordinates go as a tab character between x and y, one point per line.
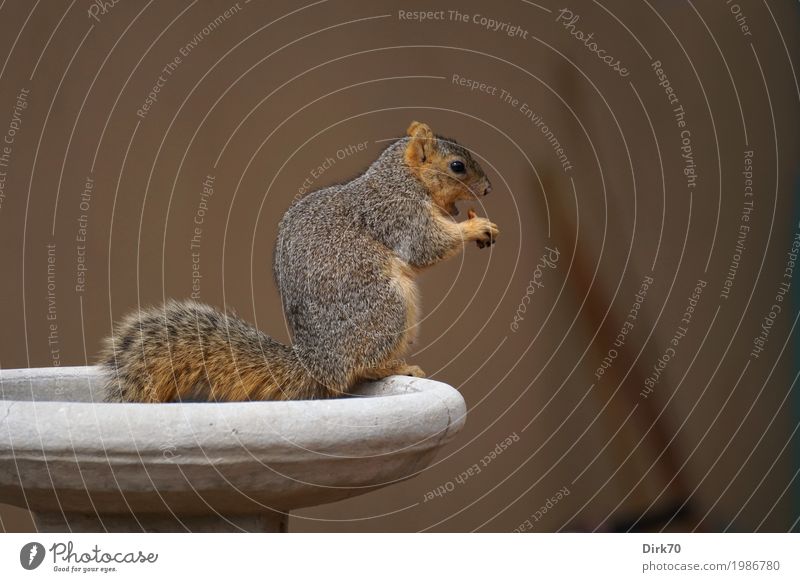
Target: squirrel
345	264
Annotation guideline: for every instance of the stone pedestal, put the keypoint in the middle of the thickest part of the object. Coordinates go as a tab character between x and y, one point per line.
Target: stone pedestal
81	464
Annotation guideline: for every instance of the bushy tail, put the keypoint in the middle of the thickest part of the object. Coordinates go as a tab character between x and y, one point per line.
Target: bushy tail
186	350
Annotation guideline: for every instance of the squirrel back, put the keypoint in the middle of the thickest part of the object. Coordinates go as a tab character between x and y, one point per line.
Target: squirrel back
345	265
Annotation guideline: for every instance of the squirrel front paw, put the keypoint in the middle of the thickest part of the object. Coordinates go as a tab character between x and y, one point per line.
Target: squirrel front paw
483	231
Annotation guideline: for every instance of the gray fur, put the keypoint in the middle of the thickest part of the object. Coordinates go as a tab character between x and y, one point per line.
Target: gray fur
332	265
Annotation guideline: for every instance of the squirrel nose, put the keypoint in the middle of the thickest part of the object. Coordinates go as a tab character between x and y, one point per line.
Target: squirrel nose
487	189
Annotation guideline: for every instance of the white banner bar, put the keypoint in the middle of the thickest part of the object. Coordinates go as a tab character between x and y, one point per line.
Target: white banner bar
401	557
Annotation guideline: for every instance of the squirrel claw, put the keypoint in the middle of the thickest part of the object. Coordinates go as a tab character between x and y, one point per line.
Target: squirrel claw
489	236
414	371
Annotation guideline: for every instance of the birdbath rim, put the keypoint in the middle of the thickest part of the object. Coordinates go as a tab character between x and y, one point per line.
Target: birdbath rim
63	450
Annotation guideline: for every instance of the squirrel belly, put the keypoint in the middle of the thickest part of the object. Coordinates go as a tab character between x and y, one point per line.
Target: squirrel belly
345	264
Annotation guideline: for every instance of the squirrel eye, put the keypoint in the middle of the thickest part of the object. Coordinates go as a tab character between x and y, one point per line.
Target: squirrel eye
458	167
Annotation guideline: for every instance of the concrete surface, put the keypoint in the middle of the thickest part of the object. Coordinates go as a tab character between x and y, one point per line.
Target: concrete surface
82	464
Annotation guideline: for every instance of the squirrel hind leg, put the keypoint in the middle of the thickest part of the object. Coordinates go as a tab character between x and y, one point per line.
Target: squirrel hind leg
399	368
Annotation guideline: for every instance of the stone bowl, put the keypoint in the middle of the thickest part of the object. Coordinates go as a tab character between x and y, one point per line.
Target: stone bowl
81	464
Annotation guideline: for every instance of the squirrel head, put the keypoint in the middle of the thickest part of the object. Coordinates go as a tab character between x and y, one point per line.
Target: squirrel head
445	168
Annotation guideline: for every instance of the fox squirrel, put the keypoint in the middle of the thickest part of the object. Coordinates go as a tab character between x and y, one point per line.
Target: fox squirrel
345	263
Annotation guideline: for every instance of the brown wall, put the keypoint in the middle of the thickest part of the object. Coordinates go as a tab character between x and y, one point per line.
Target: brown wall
291	93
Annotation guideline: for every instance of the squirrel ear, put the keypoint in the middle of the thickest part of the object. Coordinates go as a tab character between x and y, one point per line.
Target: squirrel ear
421	145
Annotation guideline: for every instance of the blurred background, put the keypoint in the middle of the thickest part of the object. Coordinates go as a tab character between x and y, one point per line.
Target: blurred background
644	163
